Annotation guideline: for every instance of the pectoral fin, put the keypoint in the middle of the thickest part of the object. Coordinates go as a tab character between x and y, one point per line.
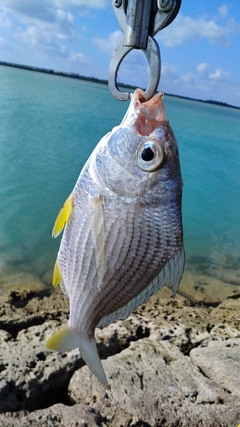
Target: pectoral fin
63	216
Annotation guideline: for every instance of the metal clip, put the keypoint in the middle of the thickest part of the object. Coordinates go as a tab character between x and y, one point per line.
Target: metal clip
152	54
140	20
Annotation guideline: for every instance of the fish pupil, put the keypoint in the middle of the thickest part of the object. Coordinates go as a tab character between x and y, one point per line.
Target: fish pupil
147	154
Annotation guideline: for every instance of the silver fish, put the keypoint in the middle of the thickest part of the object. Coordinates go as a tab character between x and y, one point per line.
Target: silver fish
123	237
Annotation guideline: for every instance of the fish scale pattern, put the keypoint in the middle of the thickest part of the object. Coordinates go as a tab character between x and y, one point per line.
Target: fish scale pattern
123	237
170	275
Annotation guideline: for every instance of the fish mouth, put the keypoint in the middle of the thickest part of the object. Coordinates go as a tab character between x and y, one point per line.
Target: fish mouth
150	114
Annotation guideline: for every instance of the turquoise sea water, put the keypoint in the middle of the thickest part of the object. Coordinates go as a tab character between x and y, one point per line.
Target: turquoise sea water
48	127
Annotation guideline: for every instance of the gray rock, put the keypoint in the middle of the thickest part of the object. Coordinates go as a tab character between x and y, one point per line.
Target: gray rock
152	382
30	375
152	379
56	415
220	361
228	312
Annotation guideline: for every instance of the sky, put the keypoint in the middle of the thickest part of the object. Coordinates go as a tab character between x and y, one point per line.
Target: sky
200	49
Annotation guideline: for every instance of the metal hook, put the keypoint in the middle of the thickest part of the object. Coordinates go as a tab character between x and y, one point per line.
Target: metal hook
140	20
152	54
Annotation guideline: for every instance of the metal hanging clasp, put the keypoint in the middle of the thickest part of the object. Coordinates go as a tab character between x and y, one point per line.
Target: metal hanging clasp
140	20
152	54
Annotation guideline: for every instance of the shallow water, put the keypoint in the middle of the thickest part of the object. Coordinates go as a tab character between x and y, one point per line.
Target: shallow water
48	127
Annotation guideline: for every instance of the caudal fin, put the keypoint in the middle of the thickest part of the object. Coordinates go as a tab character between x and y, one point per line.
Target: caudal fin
67	339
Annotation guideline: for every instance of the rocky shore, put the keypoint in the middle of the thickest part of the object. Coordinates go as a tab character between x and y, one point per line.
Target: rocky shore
174	362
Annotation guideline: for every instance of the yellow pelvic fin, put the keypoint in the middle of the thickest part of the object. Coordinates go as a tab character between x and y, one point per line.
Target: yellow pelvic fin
67	339
63	216
58	341
57	276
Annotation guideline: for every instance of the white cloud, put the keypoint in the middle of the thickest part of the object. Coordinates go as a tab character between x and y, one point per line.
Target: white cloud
32	9
192	81
43	9
79	58
109	44
4	21
223	11
65	25
43	17
169	72
34	36
43	33
93	4
48	34
48	45
219	75
185	29
2	42
47	10
187	78
43	28
202	67
197	85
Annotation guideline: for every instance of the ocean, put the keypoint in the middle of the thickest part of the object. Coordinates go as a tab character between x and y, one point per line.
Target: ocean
50	124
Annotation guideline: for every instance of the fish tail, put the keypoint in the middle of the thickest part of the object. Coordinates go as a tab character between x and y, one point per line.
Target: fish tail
67	339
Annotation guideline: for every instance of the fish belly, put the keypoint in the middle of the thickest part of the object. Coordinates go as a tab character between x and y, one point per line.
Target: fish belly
110	260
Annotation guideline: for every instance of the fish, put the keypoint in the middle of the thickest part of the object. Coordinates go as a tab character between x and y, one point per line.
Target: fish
123	233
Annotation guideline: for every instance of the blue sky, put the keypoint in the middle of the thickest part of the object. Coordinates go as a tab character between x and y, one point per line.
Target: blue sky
200	50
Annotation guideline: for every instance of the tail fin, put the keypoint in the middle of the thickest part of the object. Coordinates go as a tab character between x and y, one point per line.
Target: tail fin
67	339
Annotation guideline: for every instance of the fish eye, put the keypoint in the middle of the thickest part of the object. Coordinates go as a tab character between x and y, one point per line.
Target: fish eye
150	156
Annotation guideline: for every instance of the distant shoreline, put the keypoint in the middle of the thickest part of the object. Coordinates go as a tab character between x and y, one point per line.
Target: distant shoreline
96	80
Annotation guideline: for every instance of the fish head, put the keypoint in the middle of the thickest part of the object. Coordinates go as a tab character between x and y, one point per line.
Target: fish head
140	156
